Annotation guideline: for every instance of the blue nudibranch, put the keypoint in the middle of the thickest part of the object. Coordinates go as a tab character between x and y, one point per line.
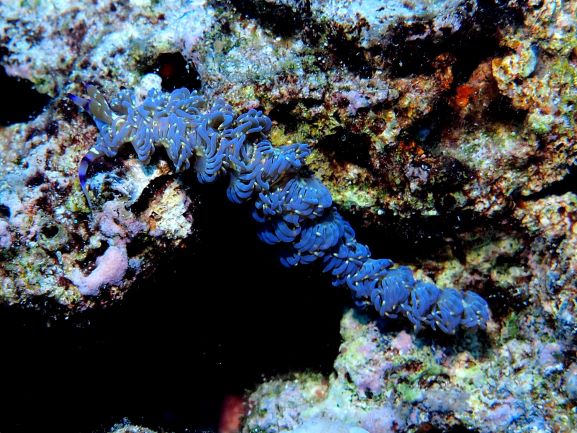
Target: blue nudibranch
294	208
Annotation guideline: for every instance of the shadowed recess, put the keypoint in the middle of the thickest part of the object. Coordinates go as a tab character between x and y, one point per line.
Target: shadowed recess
345	146
22	103
175	72
177	344
281	19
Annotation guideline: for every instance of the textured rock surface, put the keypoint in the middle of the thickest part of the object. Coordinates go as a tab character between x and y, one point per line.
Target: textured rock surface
445	154
53	248
393	381
448	138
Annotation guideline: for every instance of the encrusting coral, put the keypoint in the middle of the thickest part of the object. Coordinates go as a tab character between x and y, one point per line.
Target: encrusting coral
294	208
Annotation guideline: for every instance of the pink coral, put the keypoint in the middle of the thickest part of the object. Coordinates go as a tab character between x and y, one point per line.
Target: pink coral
403	342
110	269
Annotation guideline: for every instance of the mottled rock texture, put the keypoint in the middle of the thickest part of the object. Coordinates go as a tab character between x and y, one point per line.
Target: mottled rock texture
445	131
399	382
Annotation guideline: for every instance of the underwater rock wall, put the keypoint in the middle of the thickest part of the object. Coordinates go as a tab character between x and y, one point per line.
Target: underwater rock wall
395	381
54	247
445	132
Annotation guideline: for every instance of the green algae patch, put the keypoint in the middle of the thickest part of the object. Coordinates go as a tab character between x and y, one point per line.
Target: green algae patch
354	196
408	393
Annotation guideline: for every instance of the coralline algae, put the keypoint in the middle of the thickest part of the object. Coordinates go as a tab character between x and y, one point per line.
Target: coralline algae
110	269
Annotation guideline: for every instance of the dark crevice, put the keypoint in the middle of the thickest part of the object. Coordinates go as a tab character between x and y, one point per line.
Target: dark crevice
175	72
419	237
180	341
52	128
428	130
349	54
22	102
4	211
502	110
137	245
89	261
563	186
44	202
281	19
449	176
477	39
345	146
503	302
404	239
49	231
283	114
153	189
404	58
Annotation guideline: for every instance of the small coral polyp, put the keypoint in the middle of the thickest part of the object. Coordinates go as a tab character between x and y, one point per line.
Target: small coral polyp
294	208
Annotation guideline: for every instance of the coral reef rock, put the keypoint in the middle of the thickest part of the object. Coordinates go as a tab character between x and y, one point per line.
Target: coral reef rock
392	381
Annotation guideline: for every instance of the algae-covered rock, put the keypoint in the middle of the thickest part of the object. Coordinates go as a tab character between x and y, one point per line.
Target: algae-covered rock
388	380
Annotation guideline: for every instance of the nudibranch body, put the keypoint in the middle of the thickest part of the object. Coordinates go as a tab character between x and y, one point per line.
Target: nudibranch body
294	209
